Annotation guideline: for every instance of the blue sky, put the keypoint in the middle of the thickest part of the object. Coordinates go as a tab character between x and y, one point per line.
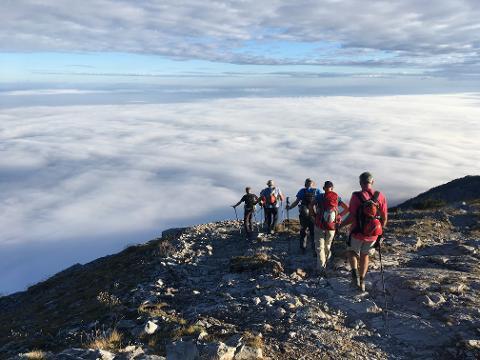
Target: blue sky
120	41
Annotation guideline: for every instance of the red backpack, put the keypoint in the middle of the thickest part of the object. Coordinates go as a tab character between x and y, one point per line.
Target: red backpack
368	219
270	199
327	216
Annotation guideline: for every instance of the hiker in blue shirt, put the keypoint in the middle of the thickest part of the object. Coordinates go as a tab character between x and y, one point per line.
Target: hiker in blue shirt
307	198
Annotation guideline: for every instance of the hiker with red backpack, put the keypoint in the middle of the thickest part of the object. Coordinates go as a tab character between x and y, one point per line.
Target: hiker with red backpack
307	198
368	216
250	201
270	199
327	219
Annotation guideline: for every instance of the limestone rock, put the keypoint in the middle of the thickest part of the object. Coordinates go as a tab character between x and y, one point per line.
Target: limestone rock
182	350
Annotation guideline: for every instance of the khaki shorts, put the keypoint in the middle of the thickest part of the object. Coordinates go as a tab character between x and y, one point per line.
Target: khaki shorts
361	247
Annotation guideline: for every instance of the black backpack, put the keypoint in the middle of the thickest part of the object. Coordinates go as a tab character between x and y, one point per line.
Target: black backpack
308	203
250	201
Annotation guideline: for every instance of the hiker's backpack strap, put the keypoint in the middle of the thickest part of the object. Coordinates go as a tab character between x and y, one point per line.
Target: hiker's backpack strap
359	196
375	196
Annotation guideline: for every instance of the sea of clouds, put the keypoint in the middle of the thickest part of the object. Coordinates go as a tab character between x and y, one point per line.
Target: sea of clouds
82	181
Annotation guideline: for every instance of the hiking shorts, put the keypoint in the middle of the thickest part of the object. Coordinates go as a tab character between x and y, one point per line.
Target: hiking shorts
361	247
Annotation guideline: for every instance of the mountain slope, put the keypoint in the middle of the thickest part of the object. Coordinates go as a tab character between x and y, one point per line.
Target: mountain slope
207	292
455	191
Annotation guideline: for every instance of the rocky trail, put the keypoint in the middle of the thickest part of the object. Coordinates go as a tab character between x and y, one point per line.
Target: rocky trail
207	292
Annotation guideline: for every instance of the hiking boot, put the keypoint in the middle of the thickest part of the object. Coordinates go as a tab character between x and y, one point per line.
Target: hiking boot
355	278
362	284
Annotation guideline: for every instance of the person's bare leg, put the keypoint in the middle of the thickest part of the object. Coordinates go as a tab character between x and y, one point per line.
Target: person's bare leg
353	260
363	265
363	270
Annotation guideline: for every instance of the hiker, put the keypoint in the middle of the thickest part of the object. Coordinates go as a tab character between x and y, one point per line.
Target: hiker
250	201
326	222
307	198
368	216
270	199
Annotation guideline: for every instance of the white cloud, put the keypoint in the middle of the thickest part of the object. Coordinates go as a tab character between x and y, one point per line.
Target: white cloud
411	32
122	173
50	92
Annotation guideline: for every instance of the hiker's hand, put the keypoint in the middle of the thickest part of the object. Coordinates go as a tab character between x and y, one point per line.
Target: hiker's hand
378	243
287	207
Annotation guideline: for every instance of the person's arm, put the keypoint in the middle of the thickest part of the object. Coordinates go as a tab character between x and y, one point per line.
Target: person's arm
344	207
384	213
292	205
261	199
241	200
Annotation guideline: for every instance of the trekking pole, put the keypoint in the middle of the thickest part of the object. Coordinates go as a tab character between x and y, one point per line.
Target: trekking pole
236	217
288	217
287	224
283	215
383	282
262	217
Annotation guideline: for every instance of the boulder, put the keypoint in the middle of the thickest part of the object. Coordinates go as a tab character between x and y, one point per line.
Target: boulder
218	351
150	327
245	352
182	350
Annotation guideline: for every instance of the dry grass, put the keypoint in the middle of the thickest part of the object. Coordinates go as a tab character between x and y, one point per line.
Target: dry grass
111	342
35	355
167	333
191	330
158	310
255	262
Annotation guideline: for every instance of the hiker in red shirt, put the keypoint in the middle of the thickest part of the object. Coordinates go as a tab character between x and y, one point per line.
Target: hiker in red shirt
368	216
327	219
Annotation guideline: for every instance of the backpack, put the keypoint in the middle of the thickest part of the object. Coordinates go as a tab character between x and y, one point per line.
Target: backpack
270	199
308	202
328	217
250	201
368	219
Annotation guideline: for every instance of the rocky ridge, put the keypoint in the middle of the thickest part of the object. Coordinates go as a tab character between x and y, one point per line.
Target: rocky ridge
206	292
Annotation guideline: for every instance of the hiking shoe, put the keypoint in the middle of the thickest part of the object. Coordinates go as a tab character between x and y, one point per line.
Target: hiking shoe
362	284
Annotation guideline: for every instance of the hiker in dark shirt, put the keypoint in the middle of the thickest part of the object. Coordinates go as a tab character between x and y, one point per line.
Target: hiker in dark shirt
250	201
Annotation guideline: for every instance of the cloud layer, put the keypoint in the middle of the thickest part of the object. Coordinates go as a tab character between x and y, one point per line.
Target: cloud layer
348	32
107	175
